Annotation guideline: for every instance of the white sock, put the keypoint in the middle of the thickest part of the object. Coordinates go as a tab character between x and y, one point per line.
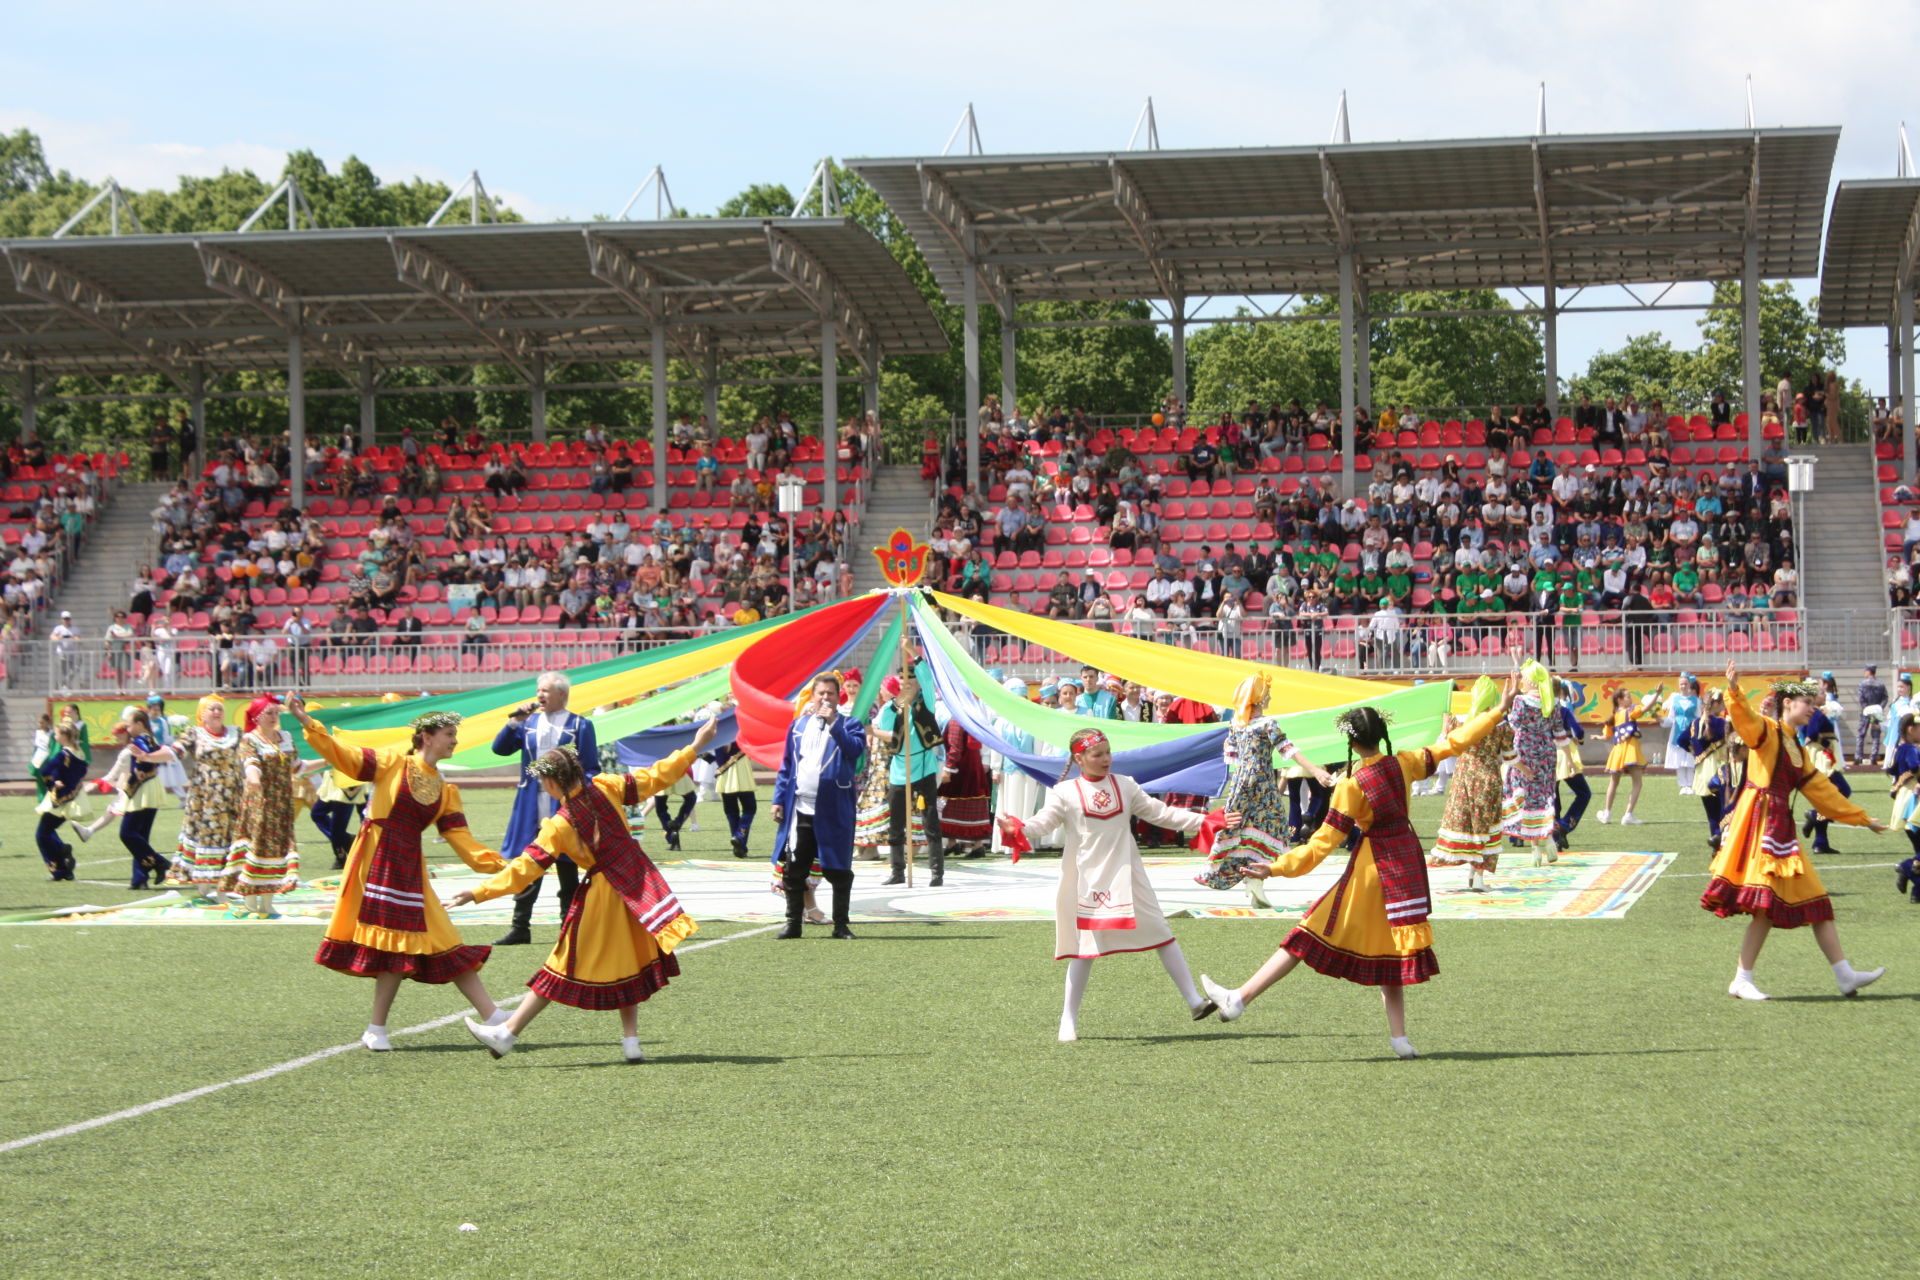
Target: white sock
1843	970
376	1028
1746	975
1176	963
1078	971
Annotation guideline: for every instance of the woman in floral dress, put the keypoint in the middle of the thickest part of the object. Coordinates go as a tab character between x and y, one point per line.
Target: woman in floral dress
265	857
1533	780
1470	827
1253	791
213	797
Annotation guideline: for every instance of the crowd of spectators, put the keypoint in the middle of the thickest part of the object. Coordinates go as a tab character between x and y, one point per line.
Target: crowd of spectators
1524	522
46	504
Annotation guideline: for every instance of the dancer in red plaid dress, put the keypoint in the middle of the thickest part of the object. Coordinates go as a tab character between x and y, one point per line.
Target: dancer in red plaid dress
1371	927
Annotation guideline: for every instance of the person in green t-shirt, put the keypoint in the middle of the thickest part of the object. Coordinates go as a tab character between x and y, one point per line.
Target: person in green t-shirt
1572	603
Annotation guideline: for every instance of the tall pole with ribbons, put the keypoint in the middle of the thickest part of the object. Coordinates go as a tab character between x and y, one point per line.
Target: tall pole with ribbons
903	562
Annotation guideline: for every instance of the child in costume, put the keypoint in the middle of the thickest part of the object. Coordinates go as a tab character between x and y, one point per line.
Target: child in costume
1105	904
1627	756
1678	715
386	926
616	945
1708	743
144	795
1372	926
1019	795
733	778
1568	770
1821	736
1905	770
1471	824
1253	792
1760	871
65	773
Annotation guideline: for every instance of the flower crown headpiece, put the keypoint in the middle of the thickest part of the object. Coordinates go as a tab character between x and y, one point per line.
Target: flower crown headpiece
1348	721
1810	689
436	720
546	766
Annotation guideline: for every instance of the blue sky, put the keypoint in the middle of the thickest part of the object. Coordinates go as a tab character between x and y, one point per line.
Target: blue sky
565	106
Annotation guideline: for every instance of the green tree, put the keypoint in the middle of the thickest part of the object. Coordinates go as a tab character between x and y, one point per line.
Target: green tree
23	165
1647	367
1792	343
1232	364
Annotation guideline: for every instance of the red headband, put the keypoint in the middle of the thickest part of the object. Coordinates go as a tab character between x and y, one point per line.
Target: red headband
1087	740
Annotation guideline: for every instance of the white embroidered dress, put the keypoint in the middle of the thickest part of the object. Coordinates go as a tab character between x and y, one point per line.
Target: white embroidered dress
1105	905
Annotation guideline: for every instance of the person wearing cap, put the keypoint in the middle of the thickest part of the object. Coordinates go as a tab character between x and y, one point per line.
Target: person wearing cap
1682	709
1871	694
65	641
173	774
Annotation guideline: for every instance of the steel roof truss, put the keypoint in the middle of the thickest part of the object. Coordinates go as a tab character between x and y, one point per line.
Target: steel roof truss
829	299
41	278
422	269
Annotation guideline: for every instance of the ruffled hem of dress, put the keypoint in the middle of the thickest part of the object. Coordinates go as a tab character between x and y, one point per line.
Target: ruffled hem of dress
604	995
363	961
1368	971
1725	898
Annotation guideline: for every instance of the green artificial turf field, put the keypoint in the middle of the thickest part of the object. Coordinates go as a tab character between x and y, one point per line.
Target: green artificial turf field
1590	1102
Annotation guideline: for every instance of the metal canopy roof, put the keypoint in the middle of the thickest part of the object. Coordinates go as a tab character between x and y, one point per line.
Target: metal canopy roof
496	293
1873	247
1491	213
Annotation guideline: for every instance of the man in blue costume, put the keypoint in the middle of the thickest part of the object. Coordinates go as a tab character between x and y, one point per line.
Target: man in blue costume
539	727
813	803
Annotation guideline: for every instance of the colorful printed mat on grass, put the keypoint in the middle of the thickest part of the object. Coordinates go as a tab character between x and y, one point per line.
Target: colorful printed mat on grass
1581	886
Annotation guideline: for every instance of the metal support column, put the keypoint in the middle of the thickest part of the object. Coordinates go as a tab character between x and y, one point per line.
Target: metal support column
830	403
1550	316
28	404
873	385
710	391
1750	346
659	417
1346	375
1907	415
369	418
1363	350
296	415
970	332
1180	354
537	396
1893	367
1009	371
197	411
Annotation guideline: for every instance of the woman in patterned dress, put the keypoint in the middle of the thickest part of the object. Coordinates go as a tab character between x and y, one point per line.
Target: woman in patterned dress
1533	782
1760	871
1372	927
1471	825
213	797
1253	791
966	794
265	857
386	926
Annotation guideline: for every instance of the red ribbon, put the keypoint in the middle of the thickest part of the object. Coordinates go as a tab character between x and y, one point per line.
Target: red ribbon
1210	828
1015	838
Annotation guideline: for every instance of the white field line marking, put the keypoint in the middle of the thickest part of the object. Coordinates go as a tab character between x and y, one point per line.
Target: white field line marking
160	1104
1845	866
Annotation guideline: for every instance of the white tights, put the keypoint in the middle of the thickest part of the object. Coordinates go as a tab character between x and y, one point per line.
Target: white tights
1080	969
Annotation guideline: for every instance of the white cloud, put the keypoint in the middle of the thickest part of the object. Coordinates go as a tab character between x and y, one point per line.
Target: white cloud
97	149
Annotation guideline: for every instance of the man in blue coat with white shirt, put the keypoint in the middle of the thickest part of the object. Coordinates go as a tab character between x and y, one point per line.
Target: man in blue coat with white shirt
813	802
549	725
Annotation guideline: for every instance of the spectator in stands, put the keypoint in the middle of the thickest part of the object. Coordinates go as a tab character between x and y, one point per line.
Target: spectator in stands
1202	460
407	627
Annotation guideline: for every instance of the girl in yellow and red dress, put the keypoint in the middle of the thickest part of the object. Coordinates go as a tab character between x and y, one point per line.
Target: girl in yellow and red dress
616	944
1760	871
1371	927
1623	731
386	926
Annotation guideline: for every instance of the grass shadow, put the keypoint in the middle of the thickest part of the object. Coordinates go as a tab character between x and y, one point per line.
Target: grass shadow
1493	1055
669	1059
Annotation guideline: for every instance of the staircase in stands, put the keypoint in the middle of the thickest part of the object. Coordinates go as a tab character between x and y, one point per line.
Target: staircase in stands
1843	580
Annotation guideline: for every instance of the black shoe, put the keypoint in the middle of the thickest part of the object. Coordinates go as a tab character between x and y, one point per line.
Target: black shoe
789	933
1825	849
339	862
673	841
518	936
936	882
1806	823
841	931
978	851
739	848
894	879
1901	881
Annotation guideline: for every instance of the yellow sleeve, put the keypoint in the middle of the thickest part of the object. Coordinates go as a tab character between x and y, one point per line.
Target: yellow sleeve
1824	796
452	824
519	873
1347	811
1467	735
361	764
1749	724
642	783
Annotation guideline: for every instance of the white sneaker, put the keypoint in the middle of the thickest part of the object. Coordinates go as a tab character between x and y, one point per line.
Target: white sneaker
1257	894
1477	880
1602	817
1629	820
1860	978
1743	989
1069	1033
81	831
497	1041
1403	1047
630	1048
375	1038
1229	1002
498	1017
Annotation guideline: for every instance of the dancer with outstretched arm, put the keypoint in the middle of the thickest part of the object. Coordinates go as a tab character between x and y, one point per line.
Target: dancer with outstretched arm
1371	927
1760	871
1105	905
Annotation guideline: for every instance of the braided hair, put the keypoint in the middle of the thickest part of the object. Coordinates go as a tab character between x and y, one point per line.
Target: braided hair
1364	727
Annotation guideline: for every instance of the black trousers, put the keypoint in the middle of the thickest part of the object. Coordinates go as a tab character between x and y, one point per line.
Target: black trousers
669	823
927	789
523	901
740	808
1710	801
797	865
136	831
335	820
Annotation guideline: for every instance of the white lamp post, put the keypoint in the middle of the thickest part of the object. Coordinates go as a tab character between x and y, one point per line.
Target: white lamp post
790	493
1799	483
